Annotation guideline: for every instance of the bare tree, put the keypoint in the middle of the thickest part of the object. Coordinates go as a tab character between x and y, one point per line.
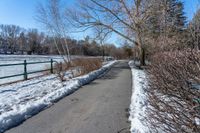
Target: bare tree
33	43
101	35
10	34
22	40
123	17
51	16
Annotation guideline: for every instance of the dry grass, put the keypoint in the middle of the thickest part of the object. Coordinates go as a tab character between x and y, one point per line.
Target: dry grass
83	65
87	65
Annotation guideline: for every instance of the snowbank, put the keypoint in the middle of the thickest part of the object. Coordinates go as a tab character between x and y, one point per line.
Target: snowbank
22	100
138	101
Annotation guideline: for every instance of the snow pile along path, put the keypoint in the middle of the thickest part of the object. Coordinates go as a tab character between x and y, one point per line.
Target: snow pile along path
138	100
22	100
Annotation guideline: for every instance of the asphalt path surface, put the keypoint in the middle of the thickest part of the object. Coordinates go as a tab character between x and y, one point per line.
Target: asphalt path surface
99	107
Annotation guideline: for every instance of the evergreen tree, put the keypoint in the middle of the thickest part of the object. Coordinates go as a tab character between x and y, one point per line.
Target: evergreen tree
194	31
176	18
165	25
167	17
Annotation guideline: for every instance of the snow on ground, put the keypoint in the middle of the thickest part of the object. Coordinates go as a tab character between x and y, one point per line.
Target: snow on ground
22	100
139	104
138	101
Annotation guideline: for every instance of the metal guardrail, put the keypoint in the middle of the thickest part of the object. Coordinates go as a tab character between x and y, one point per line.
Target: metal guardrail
25	64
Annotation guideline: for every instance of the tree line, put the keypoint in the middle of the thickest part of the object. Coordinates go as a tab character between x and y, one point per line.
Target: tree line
17	40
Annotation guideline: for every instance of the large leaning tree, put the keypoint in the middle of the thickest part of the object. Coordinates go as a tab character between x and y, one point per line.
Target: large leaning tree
125	18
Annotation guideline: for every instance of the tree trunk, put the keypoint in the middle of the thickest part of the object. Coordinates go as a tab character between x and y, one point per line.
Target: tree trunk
142	57
141	50
103	53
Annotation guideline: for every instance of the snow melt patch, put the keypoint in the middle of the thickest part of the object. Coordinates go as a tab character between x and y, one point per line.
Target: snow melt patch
138	101
22	100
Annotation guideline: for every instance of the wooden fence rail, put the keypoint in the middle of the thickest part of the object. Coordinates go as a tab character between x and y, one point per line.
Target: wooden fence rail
25	65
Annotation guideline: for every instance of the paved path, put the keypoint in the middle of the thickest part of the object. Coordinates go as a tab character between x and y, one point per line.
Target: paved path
99	107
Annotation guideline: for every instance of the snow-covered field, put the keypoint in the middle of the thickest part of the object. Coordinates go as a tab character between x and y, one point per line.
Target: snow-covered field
14	59
13	70
138	101
22	100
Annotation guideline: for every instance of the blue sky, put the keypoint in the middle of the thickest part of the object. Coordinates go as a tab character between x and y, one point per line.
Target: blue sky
191	7
22	12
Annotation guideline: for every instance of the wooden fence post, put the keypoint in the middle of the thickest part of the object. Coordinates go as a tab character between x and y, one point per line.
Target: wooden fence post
25	70
51	66
60	66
